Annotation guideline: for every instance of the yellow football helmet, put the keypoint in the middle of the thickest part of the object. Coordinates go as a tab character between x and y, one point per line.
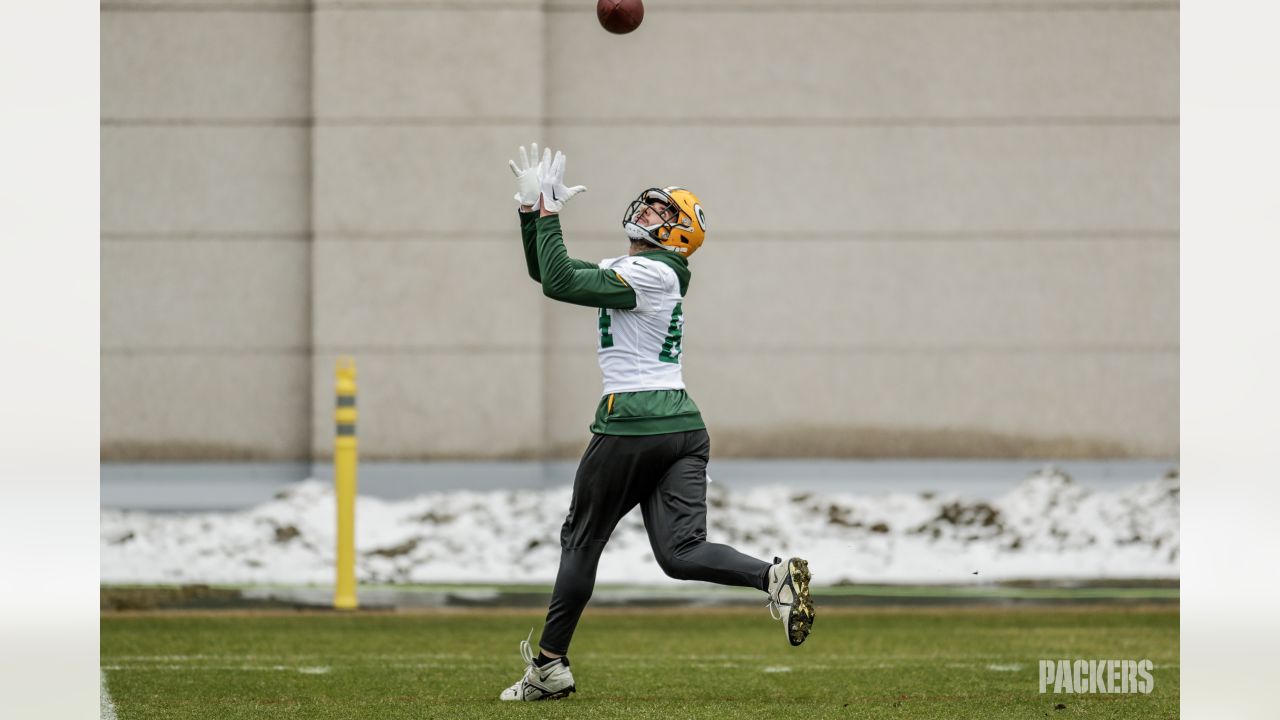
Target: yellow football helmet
684	226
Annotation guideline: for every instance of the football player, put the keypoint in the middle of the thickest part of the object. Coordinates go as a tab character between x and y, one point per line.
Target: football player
648	446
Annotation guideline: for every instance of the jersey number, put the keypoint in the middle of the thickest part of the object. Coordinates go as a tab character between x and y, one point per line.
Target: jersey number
670	346
675	333
606	329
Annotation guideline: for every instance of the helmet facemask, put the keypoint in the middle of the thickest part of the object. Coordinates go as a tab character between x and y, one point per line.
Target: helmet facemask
654	234
682	226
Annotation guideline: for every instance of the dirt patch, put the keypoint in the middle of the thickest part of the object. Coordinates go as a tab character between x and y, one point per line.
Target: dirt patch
403	548
287	533
180	596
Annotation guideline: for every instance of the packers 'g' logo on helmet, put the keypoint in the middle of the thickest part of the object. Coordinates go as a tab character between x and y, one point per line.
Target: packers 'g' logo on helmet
681	224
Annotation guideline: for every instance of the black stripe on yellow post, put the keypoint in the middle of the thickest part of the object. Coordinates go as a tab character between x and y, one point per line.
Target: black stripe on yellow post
345	459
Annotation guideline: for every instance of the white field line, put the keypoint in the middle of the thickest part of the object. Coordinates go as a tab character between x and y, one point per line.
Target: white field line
290	656
305	670
108	711
1012	667
865	663
957	659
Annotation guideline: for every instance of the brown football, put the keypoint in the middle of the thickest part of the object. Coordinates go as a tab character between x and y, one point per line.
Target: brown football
620	16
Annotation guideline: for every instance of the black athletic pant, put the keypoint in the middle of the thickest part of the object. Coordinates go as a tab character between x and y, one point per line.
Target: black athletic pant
667	476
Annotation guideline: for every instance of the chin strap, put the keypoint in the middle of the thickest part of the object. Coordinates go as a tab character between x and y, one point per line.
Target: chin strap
638	232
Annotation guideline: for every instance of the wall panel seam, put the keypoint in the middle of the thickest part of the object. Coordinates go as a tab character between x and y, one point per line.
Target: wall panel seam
789	349
939	350
905	7
211	7
503	236
891	7
1012	121
313	402
314	7
204	122
204	351
122	237
868	236
924	121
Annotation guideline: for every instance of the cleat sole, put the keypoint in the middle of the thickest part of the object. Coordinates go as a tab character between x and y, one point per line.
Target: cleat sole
560	695
802	613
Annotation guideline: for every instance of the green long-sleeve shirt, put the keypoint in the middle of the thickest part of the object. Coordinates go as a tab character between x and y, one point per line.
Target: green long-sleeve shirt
564	278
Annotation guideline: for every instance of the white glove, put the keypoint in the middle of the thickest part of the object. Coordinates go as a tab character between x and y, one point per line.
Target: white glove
551	175
527	186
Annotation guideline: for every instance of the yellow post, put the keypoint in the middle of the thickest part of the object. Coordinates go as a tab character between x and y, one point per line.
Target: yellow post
344	479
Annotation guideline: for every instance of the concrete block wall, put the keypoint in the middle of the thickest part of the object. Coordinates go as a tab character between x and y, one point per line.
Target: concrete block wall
418	274
937	229
206	252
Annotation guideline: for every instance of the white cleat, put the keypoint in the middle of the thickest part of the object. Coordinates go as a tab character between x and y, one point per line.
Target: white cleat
789	599
549	682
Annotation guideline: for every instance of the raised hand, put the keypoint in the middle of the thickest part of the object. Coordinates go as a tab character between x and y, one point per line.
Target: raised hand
528	187
551	177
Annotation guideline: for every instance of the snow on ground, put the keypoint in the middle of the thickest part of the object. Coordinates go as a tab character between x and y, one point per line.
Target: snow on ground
1047	527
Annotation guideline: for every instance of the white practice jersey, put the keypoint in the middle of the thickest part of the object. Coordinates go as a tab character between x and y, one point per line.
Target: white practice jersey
640	349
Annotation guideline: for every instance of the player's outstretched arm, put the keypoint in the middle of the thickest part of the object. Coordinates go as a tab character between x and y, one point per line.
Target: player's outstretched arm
564	278
577	281
529	236
528	190
528	196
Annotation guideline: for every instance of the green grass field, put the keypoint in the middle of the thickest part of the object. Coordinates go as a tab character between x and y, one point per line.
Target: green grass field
632	664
